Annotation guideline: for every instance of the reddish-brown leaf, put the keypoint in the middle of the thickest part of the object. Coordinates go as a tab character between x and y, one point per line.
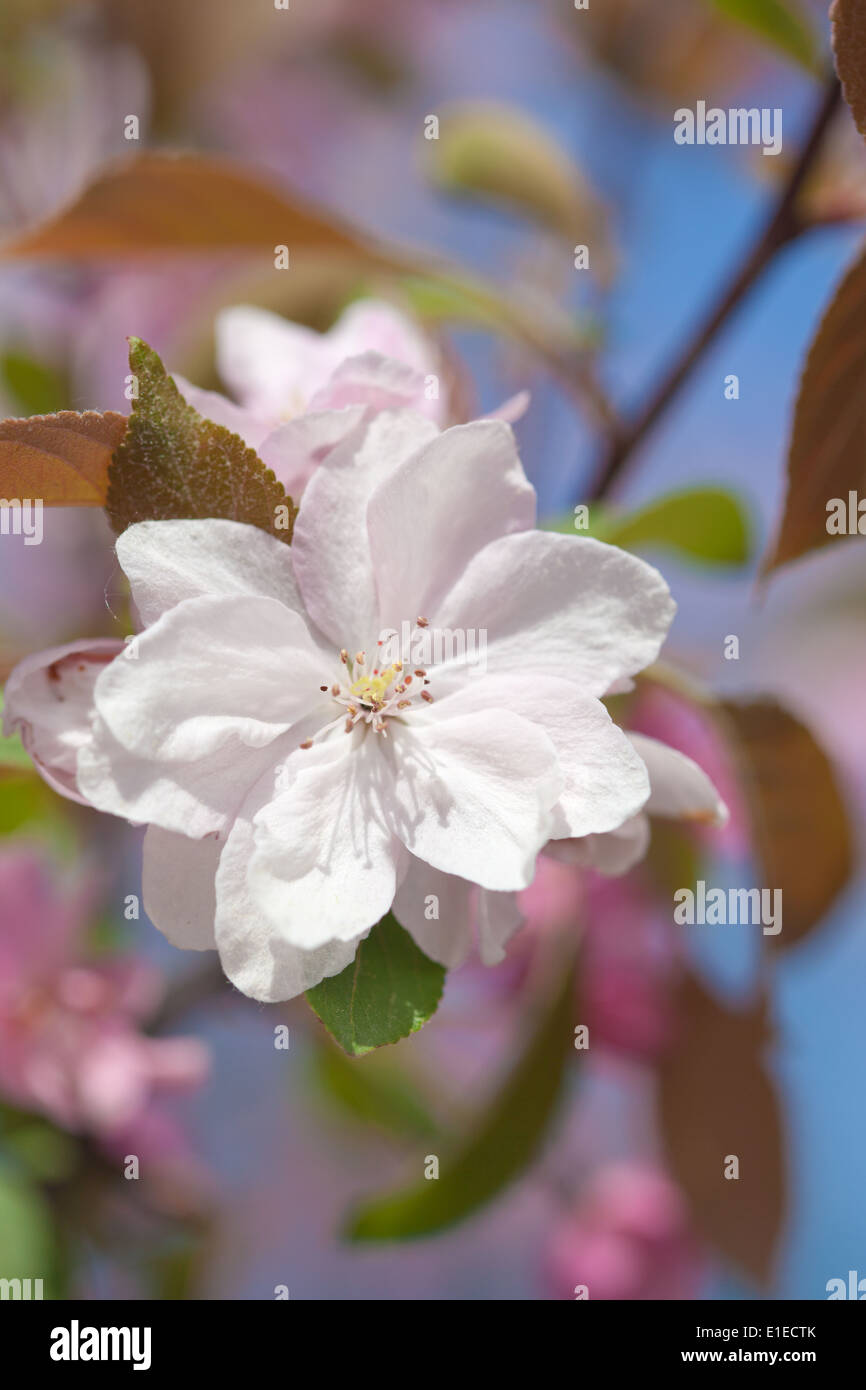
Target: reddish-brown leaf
716	1099
62	459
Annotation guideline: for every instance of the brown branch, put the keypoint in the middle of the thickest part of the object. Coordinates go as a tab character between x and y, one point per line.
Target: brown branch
783	226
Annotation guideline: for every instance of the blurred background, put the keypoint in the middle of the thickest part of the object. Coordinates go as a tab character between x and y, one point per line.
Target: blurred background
555	130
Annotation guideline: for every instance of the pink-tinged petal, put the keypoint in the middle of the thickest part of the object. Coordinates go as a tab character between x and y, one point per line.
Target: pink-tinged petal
255	955
207	671
474	795
326	863
177	885
374	381
563	605
194	798
604	780
295	450
612	853
39	924
373	325
177	1064
447	936
169	561
429	517
331	548
49	701
499	917
513	409
678	787
252	429
272	366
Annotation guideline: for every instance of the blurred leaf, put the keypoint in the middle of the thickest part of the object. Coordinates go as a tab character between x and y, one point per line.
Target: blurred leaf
38	389
379	1094
62	459
187	202
389	991
26	1245
707	524
716	1099
506	1140
781	23
12	751
827	453
494	151
800	829
174	463
47	1153
848	28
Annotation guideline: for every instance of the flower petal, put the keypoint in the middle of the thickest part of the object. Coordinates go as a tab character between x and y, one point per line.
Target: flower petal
604	780
169	561
429	517
612	853
473	796
330	547
371	380
679	788
295	449
252	429
325	865
49	699
177	887
463	912
564	605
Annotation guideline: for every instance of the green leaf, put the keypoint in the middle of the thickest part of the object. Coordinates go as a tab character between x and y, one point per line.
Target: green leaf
494	151
38	389
780	23
706	524
504	1143
26	1244
380	1093
174	463
389	991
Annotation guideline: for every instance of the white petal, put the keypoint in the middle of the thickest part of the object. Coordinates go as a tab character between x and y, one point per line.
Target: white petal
169	561
605	781
49	699
499	917
381	383
428	519
295	449
447	937
679	788
177	886
210	404
326	864
209	670
473	796
254	953
272	366
562	605
464	912
613	853
331	548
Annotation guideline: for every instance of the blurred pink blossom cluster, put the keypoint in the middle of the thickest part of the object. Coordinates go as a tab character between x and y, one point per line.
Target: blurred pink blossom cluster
71	1045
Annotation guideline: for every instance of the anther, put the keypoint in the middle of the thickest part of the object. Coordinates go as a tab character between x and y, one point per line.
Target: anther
425	695
308	743
335	689
423	622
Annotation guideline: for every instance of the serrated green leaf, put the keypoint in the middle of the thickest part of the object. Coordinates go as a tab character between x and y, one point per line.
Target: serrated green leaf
389	991
174	463
781	23
506	1140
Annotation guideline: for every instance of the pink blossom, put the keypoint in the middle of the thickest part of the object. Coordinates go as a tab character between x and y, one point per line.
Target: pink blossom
629	1238
70	1041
